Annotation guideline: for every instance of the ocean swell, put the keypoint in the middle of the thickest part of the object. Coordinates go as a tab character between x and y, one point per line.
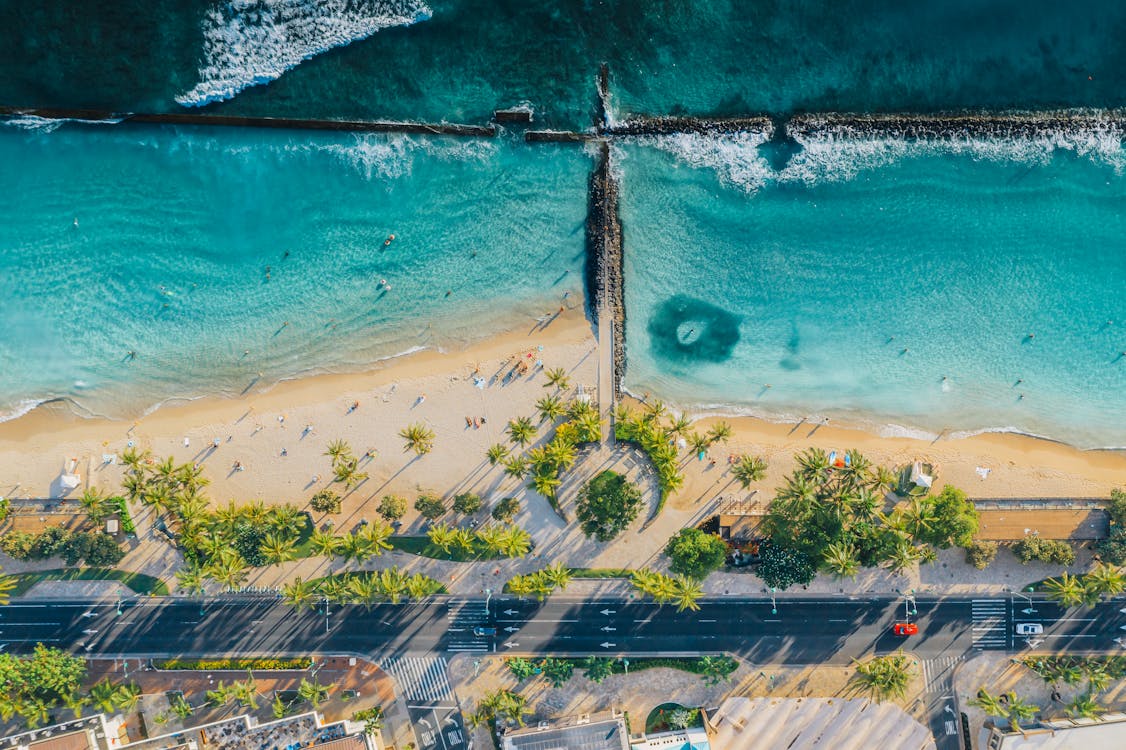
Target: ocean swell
251	42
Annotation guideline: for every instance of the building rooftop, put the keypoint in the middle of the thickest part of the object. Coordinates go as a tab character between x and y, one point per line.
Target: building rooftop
605	734
1109	733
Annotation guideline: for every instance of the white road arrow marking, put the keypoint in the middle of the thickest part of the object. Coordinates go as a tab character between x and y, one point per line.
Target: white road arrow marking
511	629
510	644
609	612
608	629
1028	610
607	644
510	612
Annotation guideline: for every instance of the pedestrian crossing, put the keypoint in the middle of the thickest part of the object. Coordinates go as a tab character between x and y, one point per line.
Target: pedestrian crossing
990	623
421	679
938	673
462	616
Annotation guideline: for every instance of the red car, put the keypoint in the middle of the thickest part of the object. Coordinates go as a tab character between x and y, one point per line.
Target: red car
905	628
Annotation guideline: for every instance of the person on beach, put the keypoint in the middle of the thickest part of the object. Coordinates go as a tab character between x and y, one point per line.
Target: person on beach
355	405
389	240
237	466
284	452
421	400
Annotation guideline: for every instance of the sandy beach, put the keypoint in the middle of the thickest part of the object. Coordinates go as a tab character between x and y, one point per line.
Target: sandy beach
278	437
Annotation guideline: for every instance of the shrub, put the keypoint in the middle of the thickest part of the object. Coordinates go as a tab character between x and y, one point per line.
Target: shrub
695	553
302	662
980	554
467	503
607	505
1116	508
430	506
781	568
5	509
122	509
93	547
392	507
325	501
1045	550
1113	549
506	509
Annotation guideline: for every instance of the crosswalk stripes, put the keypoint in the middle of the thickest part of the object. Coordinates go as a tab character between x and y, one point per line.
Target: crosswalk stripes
421	679
989	623
462	617
937	673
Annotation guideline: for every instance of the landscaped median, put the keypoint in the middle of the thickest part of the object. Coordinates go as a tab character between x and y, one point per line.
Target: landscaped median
138	582
255	664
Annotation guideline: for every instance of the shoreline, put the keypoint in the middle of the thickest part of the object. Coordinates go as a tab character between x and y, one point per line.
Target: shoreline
263	431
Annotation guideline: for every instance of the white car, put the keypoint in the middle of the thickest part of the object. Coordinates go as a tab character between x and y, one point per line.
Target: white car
1029	628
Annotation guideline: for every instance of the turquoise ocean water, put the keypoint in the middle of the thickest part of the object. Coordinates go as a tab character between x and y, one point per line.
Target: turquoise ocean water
177	227
891	284
817	270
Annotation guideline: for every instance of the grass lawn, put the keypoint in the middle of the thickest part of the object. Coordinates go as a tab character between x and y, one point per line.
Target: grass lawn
600	572
138	582
422	546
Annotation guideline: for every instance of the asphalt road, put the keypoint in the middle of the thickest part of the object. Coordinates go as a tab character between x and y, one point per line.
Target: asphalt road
799	631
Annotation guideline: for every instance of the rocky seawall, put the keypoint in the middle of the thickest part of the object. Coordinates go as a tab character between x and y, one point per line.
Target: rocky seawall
604	260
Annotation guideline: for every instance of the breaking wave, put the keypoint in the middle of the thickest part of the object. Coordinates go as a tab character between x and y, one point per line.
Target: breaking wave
251	42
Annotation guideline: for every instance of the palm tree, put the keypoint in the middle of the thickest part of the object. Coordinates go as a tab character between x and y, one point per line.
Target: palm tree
716	668
324	542
550	408
588	427
679	425
1105	579
364	589
134	459
300	594
288	520
497	452
103	695
919	516
442	536
903	556
246	693
720	432
228	516
883	480
812	464
76	702
419	438
229	569
885	676
127	696
394	584
335	589
866	506
338	448
348	473
687	593
134	486
521	430
492	537
557	377
190	580
558	574
545	484
1084	707
165	471
255	511
464	540
420	586
698	443
520	586
562	454
377	535
841	559
748	469
1068	590
1098	678
94	502
1020	711
515	541
643	580
857	470
278	549
516	466
355	547
313	692
7	586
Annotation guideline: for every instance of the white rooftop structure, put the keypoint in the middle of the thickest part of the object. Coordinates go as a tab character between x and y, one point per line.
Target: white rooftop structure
816	724
1061	734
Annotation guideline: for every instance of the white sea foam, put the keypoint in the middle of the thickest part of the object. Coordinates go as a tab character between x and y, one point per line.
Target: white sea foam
841	155
18	409
49	124
390	156
251	42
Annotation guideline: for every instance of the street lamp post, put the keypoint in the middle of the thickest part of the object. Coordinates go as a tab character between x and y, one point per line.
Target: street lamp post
488	596
1031	608
773	601
626	663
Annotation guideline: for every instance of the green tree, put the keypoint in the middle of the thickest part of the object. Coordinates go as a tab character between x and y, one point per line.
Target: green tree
695	553
841	559
557	671
557	377
885	676
597	668
1105	580
1068	590
442	536
323	542
521	430
506	509
418	438
1020	711
1084	706
521	668
430	506
687	593
467	503
991	704
607	505
300	594
497	453
719	433
780	567
392	507
313	692
955	520
325	501
749	469
516	466
190	580
278	549
715	669
681	718
980	553
515	541
1045	550
550	408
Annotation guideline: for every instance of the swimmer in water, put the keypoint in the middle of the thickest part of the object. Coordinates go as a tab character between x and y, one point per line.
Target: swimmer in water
76	222
389	240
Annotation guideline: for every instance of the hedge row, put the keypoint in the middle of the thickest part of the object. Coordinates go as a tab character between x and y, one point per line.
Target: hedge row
303	662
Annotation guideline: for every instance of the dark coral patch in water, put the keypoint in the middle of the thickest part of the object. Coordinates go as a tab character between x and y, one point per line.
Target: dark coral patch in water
685	329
